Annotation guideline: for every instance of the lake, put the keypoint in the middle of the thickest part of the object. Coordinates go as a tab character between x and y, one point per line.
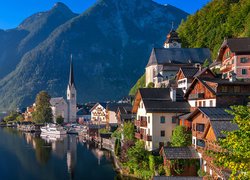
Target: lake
28	156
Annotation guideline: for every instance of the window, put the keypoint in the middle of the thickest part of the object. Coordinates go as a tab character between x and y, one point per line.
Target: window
243	60
195	103
200	143
174	120
200	127
200	103
162	133
224	89
236	89
148	119
162	119
211	103
204	103
244	71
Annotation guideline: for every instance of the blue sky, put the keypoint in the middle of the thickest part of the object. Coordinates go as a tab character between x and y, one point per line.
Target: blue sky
13	12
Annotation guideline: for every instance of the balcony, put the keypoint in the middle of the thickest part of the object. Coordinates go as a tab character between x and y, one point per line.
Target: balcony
141	123
147	137
138	135
227	67
196	96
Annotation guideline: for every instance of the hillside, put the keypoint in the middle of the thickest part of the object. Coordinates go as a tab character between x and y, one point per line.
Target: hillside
110	44
217	20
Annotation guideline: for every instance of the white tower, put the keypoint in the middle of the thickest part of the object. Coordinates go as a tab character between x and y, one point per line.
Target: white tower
71	95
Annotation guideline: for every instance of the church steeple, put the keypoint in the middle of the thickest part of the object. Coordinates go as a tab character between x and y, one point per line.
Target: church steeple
173	40
71	74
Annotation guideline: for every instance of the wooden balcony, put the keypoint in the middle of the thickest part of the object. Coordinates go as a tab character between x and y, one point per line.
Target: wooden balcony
138	135
227	67
147	138
196	96
141	123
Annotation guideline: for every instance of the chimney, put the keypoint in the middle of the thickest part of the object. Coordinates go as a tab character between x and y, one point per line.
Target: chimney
173	93
232	77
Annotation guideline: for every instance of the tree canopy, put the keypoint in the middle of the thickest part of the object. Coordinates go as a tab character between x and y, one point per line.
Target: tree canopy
180	137
236	145
141	83
43	112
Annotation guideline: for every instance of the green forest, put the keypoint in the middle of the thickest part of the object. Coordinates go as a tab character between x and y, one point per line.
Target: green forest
219	19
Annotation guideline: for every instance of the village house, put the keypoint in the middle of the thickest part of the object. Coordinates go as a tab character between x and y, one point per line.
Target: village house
208	125
124	114
59	108
28	113
234	55
165	62
156	110
186	75
98	113
215	92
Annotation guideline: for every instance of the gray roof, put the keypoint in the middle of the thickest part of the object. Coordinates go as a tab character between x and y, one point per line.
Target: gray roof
159	100
178	56
180	153
215	113
220	126
55	101
238	44
189	72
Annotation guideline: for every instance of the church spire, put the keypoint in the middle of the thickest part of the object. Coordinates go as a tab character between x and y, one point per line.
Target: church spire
71	74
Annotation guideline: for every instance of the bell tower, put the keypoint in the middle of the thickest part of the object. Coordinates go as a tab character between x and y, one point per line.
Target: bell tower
173	40
71	94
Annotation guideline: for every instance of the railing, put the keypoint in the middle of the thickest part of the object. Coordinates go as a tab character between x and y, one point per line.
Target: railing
147	138
196	96
226	67
138	135
141	123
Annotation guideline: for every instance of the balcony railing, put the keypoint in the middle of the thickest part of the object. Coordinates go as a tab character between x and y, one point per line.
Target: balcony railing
141	123
226	67
138	135
147	138
196	96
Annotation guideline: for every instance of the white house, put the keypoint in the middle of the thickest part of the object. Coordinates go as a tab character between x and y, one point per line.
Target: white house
156	111
59	108
98	113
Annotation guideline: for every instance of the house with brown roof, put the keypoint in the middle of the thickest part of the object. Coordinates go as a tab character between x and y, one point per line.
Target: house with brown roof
234	56
186	75
208	126
156	110
215	92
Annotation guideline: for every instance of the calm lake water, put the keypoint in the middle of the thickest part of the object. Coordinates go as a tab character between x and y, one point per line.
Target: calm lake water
28	156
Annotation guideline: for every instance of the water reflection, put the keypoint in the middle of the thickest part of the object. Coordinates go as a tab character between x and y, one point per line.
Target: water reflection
59	157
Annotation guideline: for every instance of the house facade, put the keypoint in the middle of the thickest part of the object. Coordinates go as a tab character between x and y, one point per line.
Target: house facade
208	124
98	113
59	108
156	111
234	56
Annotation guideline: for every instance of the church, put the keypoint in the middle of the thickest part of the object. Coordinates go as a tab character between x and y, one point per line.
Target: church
66	108
165	62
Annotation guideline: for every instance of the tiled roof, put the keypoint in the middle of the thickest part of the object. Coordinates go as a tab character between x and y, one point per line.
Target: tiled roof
238	44
215	113
159	100
178	56
54	101
189	72
180	153
220	126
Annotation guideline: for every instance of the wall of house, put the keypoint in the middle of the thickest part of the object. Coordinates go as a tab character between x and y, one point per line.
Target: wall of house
61	109
240	66
98	114
150	73
112	117
226	101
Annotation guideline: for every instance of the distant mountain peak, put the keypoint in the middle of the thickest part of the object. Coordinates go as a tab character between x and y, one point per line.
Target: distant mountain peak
60	6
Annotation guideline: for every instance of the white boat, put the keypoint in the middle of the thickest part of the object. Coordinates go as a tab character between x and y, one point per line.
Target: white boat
53	129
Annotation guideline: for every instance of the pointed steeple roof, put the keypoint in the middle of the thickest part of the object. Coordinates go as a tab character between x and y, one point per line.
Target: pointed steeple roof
172	36
71	73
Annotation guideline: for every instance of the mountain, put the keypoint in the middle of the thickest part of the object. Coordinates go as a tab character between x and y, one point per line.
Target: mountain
31	32
110	43
214	22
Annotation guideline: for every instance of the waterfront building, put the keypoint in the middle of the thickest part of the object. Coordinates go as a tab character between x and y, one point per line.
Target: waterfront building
28	113
98	113
234	56
59	108
165	62
156	110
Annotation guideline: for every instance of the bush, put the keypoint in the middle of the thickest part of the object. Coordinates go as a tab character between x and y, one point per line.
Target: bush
59	120
201	173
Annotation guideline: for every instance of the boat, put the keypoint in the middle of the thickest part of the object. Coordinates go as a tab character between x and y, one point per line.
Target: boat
75	129
53	129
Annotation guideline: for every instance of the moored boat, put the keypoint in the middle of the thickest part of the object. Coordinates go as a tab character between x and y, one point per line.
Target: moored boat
53	129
